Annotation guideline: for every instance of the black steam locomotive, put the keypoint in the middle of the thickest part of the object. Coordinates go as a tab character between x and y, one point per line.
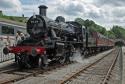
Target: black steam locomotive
54	40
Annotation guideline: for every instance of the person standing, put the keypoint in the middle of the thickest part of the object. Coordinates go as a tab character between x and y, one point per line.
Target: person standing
1	43
18	38
1	49
8	42
22	36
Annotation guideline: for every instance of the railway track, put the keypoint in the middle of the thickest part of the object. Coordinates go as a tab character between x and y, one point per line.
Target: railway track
96	73
115	76
61	75
10	76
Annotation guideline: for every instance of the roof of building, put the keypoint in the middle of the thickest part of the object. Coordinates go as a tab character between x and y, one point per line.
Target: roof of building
12	22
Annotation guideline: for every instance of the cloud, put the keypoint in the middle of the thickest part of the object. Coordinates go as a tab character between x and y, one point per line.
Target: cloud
104	12
13	5
119	12
71	9
110	2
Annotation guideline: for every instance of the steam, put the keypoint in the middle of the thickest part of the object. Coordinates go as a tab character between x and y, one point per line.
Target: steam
79	58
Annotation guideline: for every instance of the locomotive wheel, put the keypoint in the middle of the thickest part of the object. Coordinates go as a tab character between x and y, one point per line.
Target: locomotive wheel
62	59
22	62
34	61
85	53
43	62
67	58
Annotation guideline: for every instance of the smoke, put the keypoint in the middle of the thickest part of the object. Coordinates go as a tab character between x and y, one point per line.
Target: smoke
77	57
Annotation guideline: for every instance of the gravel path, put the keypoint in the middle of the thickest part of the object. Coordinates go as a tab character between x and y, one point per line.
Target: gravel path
123	66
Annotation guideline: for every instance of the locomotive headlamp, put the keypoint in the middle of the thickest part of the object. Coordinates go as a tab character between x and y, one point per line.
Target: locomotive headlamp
75	39
33	52
5	50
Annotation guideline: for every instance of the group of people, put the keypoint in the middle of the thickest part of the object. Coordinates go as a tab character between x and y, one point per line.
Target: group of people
8	40
19	37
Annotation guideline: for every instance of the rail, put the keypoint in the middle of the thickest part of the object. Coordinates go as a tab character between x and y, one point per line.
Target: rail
34	72
22	74
107	76
88	66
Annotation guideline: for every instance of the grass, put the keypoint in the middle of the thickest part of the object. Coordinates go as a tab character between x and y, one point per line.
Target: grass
13	19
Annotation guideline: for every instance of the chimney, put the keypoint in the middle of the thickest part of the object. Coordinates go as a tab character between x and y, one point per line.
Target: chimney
42	10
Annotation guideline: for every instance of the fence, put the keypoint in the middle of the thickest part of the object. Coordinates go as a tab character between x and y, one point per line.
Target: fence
4	57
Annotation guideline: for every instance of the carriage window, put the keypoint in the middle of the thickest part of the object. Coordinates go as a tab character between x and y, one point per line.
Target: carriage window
7	30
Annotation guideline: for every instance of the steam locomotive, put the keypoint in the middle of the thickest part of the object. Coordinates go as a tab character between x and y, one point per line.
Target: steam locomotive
55	41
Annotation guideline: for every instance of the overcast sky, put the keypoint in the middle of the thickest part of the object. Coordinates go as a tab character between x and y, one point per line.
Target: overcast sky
103	12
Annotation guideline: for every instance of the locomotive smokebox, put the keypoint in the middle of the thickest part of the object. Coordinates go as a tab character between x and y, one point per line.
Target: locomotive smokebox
42	10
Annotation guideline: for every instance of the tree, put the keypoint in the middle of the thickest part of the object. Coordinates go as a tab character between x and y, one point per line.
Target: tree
80	21
119	32
115	32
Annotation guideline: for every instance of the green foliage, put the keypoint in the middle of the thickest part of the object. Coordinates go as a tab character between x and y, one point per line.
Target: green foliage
115	32
91	25
79	20
119	43
14	18
111	34
119	32
1	14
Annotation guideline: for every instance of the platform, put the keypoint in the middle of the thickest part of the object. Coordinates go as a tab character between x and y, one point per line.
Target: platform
123	65
7	63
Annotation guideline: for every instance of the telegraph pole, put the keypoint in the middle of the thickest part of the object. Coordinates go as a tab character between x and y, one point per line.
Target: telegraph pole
86	36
